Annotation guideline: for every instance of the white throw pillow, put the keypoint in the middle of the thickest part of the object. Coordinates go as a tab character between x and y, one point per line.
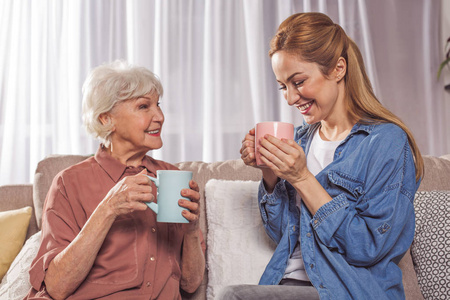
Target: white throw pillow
16	282
238	247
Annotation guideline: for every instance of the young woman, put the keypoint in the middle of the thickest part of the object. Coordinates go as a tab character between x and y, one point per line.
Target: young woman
338	199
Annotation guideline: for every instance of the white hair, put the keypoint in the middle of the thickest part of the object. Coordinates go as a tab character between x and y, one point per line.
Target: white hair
107	85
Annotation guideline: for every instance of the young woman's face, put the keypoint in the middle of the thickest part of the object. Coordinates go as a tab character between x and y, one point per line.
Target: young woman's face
138	123
317	97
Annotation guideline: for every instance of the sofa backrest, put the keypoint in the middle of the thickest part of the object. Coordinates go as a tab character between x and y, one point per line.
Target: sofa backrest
437	173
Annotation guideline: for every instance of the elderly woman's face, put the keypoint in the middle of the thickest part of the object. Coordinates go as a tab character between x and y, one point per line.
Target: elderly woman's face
138	123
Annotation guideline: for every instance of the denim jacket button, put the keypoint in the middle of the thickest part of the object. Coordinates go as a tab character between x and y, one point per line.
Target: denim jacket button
308	234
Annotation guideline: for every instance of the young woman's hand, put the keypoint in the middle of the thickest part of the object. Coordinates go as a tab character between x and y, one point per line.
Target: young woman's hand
248	156
248	148
285	158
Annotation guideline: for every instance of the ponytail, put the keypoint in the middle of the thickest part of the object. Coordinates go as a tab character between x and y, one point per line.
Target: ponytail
364	106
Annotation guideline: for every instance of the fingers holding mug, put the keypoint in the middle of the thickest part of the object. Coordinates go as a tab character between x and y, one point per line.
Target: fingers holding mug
280	130
247	150
192	206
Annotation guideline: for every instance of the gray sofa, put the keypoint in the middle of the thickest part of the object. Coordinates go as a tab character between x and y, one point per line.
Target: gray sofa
437	178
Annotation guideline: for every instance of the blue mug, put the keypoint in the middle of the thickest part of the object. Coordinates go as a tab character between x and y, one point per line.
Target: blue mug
169	184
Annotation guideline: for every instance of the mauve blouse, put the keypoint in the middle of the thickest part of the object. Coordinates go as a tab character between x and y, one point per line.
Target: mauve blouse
139	259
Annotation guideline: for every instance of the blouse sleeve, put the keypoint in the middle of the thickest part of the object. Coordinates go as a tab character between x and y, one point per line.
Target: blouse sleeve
59	228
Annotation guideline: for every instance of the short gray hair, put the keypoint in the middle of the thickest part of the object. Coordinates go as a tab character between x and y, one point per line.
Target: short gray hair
109	84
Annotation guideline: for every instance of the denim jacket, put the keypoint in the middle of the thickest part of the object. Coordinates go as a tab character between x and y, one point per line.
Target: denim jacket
352	246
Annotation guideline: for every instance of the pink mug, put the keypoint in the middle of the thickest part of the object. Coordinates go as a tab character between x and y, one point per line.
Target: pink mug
277	129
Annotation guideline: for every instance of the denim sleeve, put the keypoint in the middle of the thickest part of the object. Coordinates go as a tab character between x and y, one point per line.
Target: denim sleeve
372	212
272	207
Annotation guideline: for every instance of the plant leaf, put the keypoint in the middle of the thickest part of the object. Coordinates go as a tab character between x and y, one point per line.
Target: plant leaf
447	48
441	66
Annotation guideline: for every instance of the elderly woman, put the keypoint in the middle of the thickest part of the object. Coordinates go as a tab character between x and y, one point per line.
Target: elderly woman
99	238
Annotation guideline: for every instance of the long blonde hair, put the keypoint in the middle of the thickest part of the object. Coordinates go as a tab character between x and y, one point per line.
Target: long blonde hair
315	38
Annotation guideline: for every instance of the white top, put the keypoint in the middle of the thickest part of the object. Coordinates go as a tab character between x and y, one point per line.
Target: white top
320	155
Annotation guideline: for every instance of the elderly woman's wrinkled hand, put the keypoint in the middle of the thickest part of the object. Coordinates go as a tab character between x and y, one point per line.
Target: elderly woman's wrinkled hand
192	214
129	194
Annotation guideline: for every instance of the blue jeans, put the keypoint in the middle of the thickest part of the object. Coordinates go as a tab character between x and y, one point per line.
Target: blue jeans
287	290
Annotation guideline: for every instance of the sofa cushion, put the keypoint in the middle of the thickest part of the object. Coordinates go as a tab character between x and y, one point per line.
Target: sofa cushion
16	283
238	247
13	230
431	246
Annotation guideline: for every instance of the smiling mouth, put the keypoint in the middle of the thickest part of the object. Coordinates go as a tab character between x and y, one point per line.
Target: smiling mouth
153	132
305	106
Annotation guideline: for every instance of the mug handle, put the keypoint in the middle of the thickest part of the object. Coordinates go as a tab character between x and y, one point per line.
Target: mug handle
153	206
154	179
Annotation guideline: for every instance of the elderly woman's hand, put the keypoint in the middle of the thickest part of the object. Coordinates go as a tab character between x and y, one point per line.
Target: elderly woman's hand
129	194
193	206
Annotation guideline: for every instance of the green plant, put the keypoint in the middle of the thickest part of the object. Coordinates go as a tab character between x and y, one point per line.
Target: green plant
447	58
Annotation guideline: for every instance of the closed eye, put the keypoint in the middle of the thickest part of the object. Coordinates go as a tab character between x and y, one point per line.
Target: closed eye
298	83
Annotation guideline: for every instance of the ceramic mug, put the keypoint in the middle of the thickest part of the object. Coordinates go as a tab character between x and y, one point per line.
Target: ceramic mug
169	184
277	129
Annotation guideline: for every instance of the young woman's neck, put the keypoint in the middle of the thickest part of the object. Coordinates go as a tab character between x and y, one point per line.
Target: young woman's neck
337	129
